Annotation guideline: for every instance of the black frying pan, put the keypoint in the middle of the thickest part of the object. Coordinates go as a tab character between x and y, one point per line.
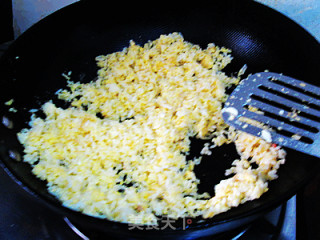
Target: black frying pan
70	39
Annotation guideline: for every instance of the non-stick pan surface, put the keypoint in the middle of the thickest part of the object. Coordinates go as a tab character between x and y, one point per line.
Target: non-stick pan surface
70	39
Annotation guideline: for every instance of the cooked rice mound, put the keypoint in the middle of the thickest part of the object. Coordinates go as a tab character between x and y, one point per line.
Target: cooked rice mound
120	151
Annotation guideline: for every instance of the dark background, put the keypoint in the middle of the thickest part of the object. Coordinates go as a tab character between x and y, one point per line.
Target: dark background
6	29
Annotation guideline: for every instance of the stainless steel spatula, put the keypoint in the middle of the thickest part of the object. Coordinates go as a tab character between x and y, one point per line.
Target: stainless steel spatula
277	108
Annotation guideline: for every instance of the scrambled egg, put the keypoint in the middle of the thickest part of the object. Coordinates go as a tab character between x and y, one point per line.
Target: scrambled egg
120	151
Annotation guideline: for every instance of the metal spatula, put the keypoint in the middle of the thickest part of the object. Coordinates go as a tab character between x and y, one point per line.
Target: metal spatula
277	108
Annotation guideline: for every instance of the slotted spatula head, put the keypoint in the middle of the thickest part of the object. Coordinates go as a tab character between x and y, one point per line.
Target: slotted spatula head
277	108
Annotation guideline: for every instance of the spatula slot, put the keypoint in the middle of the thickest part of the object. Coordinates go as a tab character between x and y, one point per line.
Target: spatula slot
285	114
287	120
278	130
285	95
298	86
